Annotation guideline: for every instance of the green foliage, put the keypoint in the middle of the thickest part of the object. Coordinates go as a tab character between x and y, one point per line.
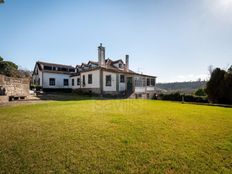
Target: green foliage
172	97
200	92
195	99
219	87
11	69
179	97
35	87
8	68
115	136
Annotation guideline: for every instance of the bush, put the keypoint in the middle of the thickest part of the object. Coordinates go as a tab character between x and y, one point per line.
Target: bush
36	87
197	99
179	97
172	97
200	92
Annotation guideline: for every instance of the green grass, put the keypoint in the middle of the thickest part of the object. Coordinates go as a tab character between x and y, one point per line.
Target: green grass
115	136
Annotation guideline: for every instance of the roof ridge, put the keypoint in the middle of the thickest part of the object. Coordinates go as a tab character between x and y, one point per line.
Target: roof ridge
56	64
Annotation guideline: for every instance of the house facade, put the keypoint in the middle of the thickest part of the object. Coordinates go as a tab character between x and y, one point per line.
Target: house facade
104	76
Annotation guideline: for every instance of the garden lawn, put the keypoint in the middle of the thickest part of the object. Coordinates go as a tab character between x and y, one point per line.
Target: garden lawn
115	136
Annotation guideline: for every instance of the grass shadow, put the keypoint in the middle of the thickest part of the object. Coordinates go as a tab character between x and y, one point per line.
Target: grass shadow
62	96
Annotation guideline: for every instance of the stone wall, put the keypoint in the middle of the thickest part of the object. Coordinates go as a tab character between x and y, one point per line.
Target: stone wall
13	87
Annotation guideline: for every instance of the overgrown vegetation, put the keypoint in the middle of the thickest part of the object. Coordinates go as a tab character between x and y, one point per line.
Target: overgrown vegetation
115	136
219	87
10	69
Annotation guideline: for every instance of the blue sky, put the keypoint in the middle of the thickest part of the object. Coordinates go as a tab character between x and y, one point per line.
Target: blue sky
175	40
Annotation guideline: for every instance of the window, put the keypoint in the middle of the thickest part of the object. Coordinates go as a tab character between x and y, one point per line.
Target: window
90	78
54	68
108	80
52	81
122	79
78	81
83	80
62	69
71	70
72	82
65	82
39	81
148	82
47	68
120	65
152	82
139	82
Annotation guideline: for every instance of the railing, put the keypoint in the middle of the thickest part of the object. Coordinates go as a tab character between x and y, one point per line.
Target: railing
144	88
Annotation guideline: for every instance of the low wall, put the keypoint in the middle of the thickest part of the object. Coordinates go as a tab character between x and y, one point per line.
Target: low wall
13	87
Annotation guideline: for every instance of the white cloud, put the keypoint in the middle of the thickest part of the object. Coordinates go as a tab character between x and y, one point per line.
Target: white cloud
220	8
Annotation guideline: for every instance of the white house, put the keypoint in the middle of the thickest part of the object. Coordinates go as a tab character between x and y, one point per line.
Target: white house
102	77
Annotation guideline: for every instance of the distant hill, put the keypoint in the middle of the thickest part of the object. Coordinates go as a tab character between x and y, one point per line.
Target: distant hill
182	87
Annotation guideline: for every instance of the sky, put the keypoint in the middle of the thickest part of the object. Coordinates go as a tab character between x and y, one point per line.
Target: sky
175	40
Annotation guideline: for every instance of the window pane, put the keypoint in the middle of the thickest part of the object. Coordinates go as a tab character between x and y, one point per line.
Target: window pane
148	82
65	82
52	82
47	68
83	79
122	78
108	80
90	79
152	82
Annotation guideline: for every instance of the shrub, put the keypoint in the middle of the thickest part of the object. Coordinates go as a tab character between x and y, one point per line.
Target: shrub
172	97
200	92
179	97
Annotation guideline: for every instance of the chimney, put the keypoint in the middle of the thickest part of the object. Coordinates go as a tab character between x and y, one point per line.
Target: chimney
127	62
101	55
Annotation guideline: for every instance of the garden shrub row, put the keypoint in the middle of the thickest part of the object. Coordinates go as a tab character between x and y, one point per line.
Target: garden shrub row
182	97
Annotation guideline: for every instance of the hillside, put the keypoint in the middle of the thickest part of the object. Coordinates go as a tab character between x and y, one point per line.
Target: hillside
183	87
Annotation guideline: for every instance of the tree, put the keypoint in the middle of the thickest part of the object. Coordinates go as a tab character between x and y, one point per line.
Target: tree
219	86
11	69
230	70
8	68
24	73
200	92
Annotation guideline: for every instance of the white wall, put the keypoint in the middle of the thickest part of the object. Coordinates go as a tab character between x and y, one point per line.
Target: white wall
75	82
113	82
59	80
37	76
95	79
140	89
150	88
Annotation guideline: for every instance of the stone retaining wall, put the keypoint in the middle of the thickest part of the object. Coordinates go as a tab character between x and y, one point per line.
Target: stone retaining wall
13	87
